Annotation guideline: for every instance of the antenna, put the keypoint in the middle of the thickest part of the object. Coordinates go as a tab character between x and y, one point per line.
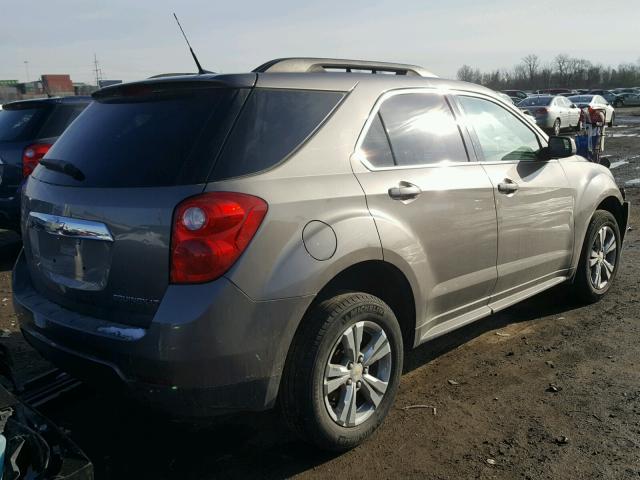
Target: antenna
195	59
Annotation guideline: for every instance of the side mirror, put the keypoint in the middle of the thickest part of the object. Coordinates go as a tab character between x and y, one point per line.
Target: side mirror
559	147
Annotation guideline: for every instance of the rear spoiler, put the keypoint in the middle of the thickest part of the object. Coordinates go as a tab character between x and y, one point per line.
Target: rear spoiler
162	84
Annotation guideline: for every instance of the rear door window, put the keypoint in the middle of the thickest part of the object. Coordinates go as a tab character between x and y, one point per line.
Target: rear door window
153	139
272	125
375	149
422	129
60	118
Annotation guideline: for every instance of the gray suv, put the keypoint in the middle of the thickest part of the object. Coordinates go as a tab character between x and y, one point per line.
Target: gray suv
215	243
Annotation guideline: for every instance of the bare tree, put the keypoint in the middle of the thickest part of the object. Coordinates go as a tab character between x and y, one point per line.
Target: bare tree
465	73
562	62
531	65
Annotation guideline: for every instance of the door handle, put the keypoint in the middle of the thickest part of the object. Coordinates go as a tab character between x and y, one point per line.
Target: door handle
508	186
404	191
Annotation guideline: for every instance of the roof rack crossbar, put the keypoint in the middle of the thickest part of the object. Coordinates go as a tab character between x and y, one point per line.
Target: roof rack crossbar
308	65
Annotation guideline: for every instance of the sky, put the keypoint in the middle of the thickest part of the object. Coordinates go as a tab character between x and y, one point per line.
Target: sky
137	39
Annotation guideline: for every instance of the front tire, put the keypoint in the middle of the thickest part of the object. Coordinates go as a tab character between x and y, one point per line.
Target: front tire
599	258
556	127
343	371
613	118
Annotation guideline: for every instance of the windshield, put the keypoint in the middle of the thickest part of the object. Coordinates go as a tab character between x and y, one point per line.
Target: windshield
17	124
535	101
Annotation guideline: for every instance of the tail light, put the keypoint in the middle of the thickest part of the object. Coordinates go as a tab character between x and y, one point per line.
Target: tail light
32	156
210	232
542	111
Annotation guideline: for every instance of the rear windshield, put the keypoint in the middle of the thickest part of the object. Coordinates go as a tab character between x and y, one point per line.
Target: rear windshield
158	139
18	124
535	101
60	118
581	98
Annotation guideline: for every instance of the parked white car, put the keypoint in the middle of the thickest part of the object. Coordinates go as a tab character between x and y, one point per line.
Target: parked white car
597	102
552	112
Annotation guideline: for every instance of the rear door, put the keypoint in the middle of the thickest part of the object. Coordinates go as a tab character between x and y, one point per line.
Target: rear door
434	210
534	201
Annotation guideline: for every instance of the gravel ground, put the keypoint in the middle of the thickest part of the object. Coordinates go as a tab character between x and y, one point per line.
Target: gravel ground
500	418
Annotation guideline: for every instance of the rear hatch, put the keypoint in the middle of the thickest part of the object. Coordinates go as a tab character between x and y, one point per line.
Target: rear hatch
97	218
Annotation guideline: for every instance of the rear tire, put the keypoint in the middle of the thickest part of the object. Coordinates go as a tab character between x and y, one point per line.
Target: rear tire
320	377
599	258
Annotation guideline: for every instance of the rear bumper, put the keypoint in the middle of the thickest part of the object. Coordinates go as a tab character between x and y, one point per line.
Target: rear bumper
209	350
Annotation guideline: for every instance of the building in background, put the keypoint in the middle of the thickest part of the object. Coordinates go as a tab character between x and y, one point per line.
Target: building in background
58	85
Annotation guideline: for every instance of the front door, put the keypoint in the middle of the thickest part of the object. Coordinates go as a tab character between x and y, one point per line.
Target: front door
534	202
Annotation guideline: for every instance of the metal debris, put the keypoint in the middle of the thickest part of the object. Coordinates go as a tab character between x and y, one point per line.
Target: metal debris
500	334
562	440
491	461
452	382
553	388
434	410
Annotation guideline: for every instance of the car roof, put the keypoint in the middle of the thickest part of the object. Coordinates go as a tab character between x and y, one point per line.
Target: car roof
313	74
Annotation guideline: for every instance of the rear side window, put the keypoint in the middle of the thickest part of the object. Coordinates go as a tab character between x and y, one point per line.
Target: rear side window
17	124
422	130
60	118
147	140
272	125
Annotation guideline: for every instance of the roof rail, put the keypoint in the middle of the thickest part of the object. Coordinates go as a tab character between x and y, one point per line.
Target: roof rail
308	65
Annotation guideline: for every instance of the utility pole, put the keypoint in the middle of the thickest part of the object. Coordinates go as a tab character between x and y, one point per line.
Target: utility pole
26	67
96	69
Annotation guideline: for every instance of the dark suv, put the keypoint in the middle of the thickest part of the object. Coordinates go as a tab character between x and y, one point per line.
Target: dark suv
227	242
28	128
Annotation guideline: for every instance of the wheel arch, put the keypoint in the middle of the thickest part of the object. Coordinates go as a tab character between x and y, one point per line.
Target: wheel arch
613	205
381	279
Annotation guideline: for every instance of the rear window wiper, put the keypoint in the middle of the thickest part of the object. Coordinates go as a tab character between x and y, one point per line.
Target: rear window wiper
63	167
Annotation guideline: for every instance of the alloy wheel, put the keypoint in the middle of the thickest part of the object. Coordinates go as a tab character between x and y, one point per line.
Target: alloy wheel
602	259
357	373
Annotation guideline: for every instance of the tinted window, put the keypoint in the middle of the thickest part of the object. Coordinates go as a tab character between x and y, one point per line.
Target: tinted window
422	129
501	135
535	101
16	124
60	118
375	147
168	138
581	98
273	123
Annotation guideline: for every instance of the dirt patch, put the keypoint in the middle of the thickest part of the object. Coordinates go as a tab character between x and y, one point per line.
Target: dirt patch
545	389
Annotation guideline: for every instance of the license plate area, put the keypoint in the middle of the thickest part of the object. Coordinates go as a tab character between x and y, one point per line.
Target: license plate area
68	257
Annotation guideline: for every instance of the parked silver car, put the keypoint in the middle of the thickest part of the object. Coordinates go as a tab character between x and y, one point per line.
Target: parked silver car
598	103
552	113
232	242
